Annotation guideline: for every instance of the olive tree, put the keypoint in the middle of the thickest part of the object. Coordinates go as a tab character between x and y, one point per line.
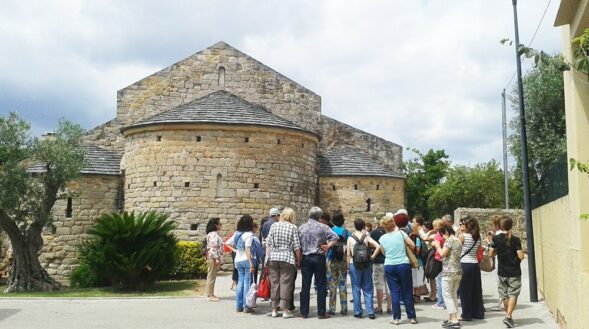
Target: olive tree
27	196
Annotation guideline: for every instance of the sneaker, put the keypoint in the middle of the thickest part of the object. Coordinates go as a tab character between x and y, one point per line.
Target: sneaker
413	321
213	299
331	312
395	322
287	315
248	310
358	316
343	312
371	316
449	324
508	322
275	314
438	306
378	311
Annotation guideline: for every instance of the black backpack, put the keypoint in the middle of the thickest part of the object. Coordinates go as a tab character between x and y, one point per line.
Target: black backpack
361	255
432	267
338	249
423	252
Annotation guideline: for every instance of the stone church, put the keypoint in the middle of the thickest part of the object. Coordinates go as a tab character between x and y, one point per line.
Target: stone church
220	134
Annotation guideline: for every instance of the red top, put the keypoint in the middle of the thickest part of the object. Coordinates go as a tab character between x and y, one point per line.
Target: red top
438	237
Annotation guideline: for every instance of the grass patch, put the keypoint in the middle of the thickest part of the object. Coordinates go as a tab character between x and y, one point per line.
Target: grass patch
184	288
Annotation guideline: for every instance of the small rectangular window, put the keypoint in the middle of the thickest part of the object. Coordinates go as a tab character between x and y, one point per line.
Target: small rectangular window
278	141
198	138
247	139
256	185
355	186
193	227
186	184
377	187
333	187
159	138
154	183
69	210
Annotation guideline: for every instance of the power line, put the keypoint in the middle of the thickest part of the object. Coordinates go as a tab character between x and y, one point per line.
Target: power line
532	40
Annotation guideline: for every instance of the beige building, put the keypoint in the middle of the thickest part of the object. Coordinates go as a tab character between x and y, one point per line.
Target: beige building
220	134
561	238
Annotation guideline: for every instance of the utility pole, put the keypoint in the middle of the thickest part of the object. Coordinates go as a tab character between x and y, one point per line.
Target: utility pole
525	178
505	173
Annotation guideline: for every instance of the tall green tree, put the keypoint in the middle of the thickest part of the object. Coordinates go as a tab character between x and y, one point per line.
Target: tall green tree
26	198
545	119
480	186
423	174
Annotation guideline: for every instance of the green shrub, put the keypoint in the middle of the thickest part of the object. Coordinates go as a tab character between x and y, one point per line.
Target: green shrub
84	277
190	263
130	251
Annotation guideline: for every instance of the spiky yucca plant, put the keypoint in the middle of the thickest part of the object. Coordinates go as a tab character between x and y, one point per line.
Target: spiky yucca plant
131	250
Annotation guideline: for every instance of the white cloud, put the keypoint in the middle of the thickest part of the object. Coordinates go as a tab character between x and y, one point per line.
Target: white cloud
424	74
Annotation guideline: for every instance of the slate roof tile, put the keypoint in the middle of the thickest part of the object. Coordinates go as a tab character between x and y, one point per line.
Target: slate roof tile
98	162
220	107
346	161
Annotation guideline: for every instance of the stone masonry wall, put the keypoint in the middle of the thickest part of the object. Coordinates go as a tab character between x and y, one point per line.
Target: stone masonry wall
221	175
98	195
386	194
484	216
197	76
335	133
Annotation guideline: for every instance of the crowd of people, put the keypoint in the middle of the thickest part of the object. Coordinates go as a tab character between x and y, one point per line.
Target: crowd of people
394	264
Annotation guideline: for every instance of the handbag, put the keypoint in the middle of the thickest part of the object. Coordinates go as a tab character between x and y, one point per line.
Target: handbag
264	287
487	263
252	294
412	258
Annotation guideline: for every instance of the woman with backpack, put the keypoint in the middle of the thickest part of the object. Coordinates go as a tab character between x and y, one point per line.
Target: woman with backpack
471	291
214	256
337	269
360	265
241	243
397	268
508	248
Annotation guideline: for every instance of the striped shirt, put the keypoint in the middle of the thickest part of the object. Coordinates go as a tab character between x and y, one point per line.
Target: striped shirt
470	257
282	241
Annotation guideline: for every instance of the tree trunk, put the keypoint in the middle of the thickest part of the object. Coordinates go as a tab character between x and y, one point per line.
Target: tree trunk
26	273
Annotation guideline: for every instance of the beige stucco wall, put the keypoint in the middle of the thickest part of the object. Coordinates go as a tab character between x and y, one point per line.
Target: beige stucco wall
285	173
561	239
390	195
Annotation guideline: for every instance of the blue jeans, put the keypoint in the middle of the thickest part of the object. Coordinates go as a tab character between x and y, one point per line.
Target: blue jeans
362	282
400	282
440	301
313	265
243	283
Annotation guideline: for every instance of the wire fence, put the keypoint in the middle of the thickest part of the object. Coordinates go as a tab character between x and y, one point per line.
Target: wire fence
555	184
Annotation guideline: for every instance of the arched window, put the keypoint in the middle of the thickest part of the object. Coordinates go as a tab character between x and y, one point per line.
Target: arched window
221	76
219	184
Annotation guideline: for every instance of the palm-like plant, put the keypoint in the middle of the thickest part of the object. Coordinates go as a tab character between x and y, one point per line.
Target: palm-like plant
131	250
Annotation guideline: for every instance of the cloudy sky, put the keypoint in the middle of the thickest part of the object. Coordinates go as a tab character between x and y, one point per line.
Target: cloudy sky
421	73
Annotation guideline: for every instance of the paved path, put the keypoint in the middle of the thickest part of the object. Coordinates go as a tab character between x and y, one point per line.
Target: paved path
177	313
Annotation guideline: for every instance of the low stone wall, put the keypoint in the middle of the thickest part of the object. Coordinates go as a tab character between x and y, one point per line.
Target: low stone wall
484	216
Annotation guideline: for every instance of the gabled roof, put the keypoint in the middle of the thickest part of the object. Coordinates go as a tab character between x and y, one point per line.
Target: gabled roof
346	161
221	45
219	107
98	162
